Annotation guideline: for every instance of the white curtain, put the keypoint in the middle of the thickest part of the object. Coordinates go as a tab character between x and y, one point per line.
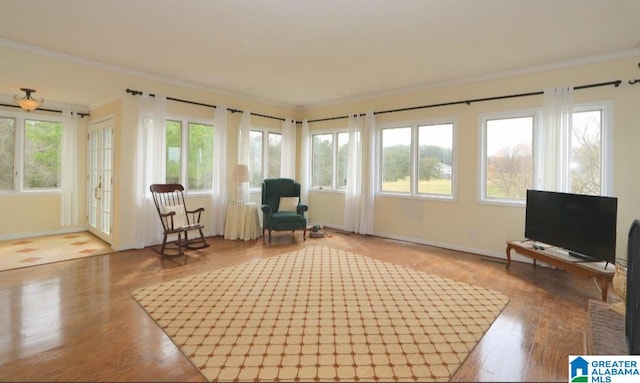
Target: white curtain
243	139
219	192
368	143
149	167
305	160
288	149
69	182
353	197
558	114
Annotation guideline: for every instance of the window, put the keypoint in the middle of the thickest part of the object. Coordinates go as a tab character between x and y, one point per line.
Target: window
42	154
396	160
417	160
173	154
435	159
7	153
508	157
264	163
329	156
585	162
189	154
30	157
341	160
511	162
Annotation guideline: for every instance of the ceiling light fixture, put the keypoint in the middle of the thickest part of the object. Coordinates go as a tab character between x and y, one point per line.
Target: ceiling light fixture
27	102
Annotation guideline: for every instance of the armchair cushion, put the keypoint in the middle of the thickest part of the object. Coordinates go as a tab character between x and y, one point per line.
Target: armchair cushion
288	204
287	217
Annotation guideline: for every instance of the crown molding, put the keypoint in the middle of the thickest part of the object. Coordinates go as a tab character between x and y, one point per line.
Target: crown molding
300	109
137	73
618	55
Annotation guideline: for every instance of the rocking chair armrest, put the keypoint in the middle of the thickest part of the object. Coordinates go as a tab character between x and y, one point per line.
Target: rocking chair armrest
169	219
198	210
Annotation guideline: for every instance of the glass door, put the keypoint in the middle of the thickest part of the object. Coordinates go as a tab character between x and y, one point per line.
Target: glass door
100	179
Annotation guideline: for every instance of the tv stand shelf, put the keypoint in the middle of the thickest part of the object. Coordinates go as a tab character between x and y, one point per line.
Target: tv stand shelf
595	270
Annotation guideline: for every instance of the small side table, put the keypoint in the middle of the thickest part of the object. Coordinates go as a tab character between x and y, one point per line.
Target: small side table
242	222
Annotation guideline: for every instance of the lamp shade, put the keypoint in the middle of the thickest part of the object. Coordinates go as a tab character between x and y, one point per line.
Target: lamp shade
27	102
241	173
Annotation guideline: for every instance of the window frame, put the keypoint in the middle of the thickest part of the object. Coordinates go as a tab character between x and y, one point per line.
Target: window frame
19	142
414	159
606	150
265	152
184	150
536	161
606	144
334	159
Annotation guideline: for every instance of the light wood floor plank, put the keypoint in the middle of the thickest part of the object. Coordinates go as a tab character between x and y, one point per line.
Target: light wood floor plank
76	320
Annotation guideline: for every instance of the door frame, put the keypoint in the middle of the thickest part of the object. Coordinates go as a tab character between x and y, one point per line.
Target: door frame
101	124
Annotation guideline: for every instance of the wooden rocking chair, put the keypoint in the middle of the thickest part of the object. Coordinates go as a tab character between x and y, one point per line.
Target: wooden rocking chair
176	219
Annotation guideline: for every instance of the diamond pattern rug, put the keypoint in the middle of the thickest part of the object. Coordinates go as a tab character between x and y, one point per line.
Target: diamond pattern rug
322	314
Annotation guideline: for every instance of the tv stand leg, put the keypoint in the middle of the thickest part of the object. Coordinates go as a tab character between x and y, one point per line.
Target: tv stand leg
603	285
509	247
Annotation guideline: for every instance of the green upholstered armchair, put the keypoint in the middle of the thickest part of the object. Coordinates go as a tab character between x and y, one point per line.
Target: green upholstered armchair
281	207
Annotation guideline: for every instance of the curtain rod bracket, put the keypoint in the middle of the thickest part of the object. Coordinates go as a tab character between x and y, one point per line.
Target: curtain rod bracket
134	92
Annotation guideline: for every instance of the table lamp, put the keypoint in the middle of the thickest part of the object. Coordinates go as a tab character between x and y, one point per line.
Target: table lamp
241	176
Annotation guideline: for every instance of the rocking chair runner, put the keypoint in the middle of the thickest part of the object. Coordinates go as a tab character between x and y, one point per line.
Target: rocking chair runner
176	219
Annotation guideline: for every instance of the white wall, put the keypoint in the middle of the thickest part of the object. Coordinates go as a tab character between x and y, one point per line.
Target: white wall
445	224
466	223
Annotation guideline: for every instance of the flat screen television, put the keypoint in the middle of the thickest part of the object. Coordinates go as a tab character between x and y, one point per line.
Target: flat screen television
584	225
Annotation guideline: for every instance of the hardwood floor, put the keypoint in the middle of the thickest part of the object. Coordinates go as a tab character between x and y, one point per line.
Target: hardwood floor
76	320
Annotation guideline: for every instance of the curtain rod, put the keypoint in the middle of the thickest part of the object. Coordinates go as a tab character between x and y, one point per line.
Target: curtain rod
82	115
615	83
137	92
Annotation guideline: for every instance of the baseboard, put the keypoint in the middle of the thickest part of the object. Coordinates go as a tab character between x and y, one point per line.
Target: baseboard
66	230
502	256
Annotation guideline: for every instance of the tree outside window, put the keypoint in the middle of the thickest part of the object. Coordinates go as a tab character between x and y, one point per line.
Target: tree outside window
265	150
435	159
396	160
200	157
274	155
7	153
509	157
189	154
173	151
329	156
43	154
322	160
586	152
343	157
256	158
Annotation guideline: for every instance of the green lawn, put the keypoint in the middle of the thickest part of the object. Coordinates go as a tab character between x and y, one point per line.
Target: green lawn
432	186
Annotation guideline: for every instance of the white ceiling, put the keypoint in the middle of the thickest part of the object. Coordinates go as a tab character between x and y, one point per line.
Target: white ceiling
307	52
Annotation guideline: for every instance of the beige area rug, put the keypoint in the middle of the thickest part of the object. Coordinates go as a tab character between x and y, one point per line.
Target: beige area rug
322	314
18	253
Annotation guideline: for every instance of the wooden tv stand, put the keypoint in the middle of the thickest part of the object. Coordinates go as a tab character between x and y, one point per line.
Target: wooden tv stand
595	270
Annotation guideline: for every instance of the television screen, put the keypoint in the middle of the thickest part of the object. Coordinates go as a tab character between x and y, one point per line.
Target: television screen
584	225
